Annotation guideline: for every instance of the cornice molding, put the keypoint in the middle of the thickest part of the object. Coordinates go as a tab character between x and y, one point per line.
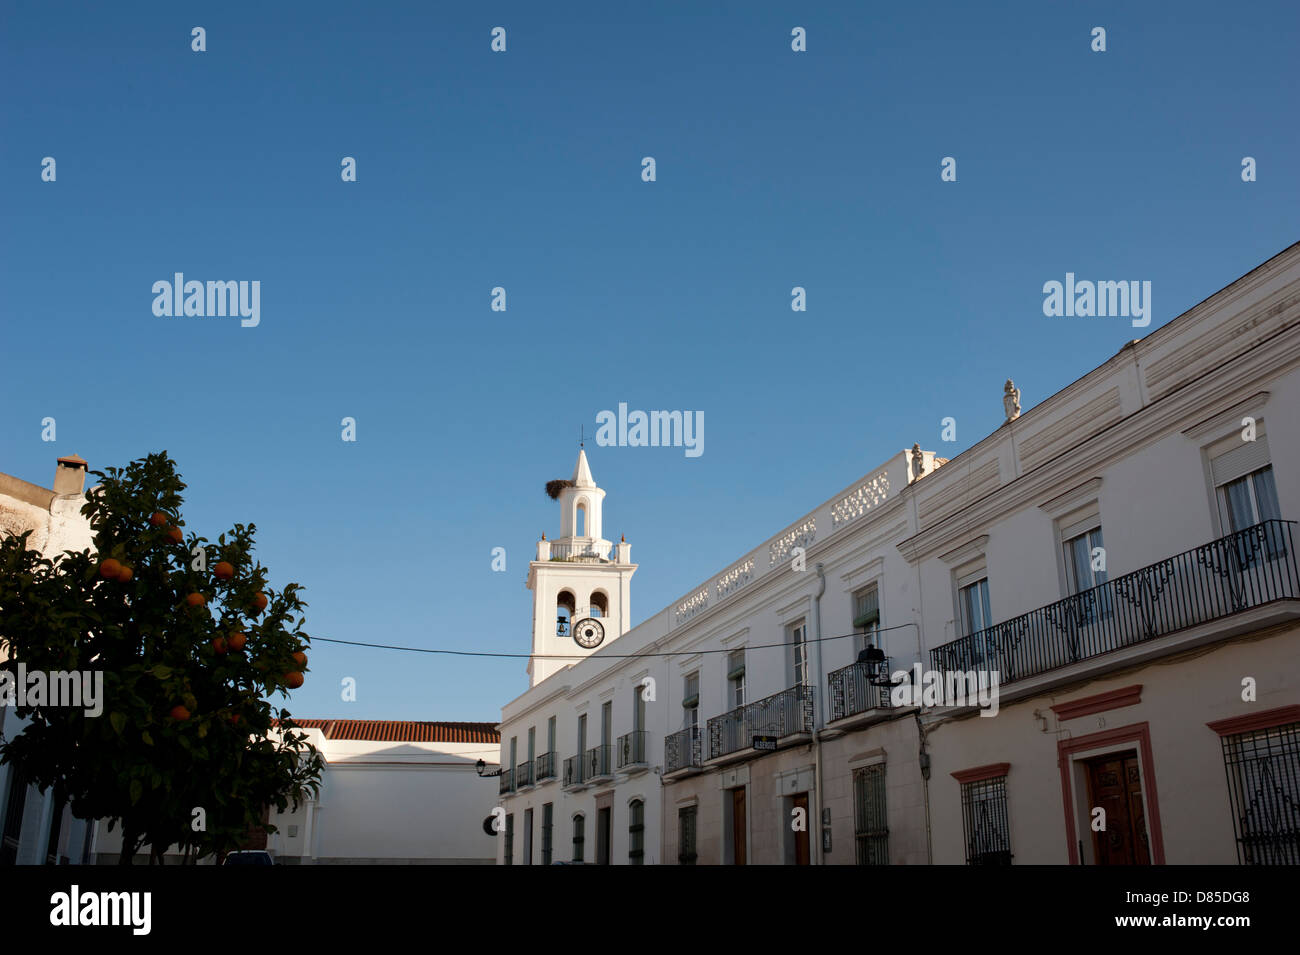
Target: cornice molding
1158	419
863	574
1099	703
1230	418
1266	719
795	608
727	641
971	550
1072	499
981	773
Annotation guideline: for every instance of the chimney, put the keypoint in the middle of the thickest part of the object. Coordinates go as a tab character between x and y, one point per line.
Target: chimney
70	476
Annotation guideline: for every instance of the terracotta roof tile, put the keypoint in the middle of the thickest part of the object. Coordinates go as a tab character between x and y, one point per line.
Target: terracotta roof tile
405	731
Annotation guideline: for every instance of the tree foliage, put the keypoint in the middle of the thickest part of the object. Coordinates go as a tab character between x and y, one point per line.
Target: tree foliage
143	763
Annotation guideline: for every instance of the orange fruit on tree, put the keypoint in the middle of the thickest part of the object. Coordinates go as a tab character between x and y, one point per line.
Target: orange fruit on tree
236	641
109	569
158	519
176	534
180	713
125	574
259	602
196	600
219	644
300	658
224	570
294	679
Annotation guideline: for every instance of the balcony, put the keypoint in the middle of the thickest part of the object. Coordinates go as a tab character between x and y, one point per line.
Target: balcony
1234	574
574	778
631	752
682	752
507	784
544	768
580	550
524	777
598	764
788	713
855	689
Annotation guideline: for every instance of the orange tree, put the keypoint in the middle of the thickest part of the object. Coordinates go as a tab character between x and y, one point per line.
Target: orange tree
188	750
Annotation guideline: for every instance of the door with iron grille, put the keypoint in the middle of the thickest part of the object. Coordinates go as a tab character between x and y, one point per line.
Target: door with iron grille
870	828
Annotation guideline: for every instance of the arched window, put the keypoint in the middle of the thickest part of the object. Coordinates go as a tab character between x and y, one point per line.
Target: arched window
580	520
565	604
599	604
636	832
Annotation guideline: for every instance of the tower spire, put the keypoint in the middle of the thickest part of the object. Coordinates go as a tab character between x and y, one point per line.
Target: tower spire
582	472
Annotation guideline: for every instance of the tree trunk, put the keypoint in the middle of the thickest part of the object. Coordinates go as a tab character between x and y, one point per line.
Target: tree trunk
130	842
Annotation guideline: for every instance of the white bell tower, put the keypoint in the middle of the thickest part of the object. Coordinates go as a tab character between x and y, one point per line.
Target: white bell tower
579	578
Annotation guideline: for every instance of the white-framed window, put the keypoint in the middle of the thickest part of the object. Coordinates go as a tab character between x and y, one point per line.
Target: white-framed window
1241	473
736	678
1248	500
1085	568
691	700
973	604
796	635
866	618
1084	554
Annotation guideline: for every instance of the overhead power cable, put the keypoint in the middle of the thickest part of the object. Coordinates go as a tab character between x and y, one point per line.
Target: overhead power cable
606	656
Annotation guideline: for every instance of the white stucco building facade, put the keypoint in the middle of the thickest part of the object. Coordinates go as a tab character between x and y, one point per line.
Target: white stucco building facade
33	828
393	792
1121	555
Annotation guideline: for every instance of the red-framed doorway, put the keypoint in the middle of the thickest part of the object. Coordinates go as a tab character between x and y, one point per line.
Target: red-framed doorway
1136	733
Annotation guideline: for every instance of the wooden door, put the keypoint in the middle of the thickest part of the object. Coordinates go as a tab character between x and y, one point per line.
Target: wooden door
801	838
1115	785
738	828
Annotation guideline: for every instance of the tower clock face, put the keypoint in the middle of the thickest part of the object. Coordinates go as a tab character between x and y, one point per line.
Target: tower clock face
588	633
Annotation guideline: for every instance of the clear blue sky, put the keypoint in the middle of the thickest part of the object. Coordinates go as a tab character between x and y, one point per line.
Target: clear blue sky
522	170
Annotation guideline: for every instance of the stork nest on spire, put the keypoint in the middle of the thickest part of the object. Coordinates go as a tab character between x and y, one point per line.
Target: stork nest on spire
553	488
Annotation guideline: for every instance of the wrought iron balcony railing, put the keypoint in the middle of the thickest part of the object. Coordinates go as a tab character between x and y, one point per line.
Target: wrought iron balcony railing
507	782
573	774
631	749
859	688
599	762
780	715
682	749
544	767
580	550
1245	569
524	775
